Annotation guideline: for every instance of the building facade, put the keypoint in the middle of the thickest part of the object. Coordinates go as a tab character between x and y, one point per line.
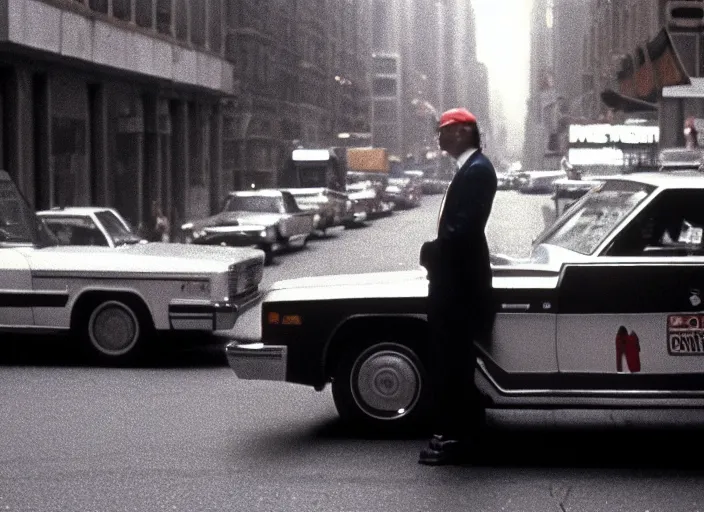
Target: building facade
615	30
304	69
128	103
541	87
646	60
578	49
114	102
434	45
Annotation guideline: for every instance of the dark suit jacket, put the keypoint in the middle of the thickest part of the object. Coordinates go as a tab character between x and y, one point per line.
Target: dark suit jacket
459	256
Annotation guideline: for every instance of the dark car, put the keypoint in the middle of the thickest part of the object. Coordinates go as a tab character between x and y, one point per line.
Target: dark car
403	192
267	219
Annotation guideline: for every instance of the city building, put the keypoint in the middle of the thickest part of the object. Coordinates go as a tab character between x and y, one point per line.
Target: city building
433	45
387	101
127	103
540	123
613	62
114	102
304	73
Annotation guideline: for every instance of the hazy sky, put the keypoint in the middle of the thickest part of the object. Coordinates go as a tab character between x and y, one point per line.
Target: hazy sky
503	44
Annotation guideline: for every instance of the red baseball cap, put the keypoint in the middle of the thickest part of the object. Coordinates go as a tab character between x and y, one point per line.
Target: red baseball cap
456	116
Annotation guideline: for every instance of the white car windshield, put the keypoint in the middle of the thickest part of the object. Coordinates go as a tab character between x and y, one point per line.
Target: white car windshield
119	233
594	217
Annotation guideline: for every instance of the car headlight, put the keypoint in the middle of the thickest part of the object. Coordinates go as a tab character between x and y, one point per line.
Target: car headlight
187	226
196	288
269	232
198	234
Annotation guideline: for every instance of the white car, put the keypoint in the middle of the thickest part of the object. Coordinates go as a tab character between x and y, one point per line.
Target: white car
113	300
607	313
536	182
89	225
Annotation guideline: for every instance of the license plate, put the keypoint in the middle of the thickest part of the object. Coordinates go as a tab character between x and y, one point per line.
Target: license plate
685	335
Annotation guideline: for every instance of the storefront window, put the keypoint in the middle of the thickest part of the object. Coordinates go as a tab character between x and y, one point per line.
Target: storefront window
69	159
99	5
122	9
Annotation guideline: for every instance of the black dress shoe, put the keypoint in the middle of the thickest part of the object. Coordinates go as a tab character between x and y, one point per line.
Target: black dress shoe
443	451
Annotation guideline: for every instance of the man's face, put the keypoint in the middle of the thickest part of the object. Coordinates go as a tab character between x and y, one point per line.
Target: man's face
453	139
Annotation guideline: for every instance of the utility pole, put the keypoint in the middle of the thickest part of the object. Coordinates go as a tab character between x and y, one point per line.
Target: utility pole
441	71
441	55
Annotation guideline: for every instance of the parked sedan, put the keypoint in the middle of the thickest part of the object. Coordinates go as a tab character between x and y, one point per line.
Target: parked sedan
403	192
267	219
607	313
114	299
369	196
539	182
89	225
433	185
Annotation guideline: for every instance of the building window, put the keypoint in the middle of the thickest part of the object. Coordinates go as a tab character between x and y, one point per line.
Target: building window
385	65
385	111
164	16
99	5
183	13
198	22
143	16
68	152
215	22
122	9
384	87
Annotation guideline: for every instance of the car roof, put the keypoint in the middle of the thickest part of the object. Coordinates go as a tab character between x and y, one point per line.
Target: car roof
674	179
261	192
76	210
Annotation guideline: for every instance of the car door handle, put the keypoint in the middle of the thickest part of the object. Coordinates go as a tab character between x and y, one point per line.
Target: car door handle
520	307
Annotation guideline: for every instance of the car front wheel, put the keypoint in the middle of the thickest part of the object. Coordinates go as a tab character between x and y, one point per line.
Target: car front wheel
382	388
113	331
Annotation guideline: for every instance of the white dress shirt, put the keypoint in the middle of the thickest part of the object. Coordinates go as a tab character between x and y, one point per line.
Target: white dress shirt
461	160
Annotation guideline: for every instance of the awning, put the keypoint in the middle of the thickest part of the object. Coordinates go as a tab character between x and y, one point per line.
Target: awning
646	75
618	101
694	90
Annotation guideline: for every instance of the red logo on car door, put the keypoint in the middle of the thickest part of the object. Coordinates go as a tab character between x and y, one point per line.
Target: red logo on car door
628	349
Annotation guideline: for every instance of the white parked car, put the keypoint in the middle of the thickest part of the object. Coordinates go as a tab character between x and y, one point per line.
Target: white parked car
537	182
89	225
113	300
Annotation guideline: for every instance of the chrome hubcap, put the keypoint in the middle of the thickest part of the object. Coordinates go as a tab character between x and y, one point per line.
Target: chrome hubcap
385	384
113	328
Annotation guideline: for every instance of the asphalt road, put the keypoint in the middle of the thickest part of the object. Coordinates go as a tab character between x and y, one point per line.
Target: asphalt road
183	433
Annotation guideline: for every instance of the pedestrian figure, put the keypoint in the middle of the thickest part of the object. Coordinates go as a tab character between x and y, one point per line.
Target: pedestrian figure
158	228
460	304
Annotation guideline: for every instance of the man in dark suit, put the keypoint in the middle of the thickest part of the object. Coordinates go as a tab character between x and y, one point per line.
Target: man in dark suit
460	306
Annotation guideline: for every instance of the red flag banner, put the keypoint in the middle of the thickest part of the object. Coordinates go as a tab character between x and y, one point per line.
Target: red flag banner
666	62
626	80
646	88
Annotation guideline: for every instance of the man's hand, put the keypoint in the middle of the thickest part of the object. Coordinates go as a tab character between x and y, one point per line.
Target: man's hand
428	254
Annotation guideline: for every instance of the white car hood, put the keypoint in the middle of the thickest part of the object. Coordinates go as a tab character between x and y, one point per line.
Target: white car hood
394	284
374	278
155	258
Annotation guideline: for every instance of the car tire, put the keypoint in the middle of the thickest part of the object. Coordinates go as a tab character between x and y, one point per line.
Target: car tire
114	330
382	388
